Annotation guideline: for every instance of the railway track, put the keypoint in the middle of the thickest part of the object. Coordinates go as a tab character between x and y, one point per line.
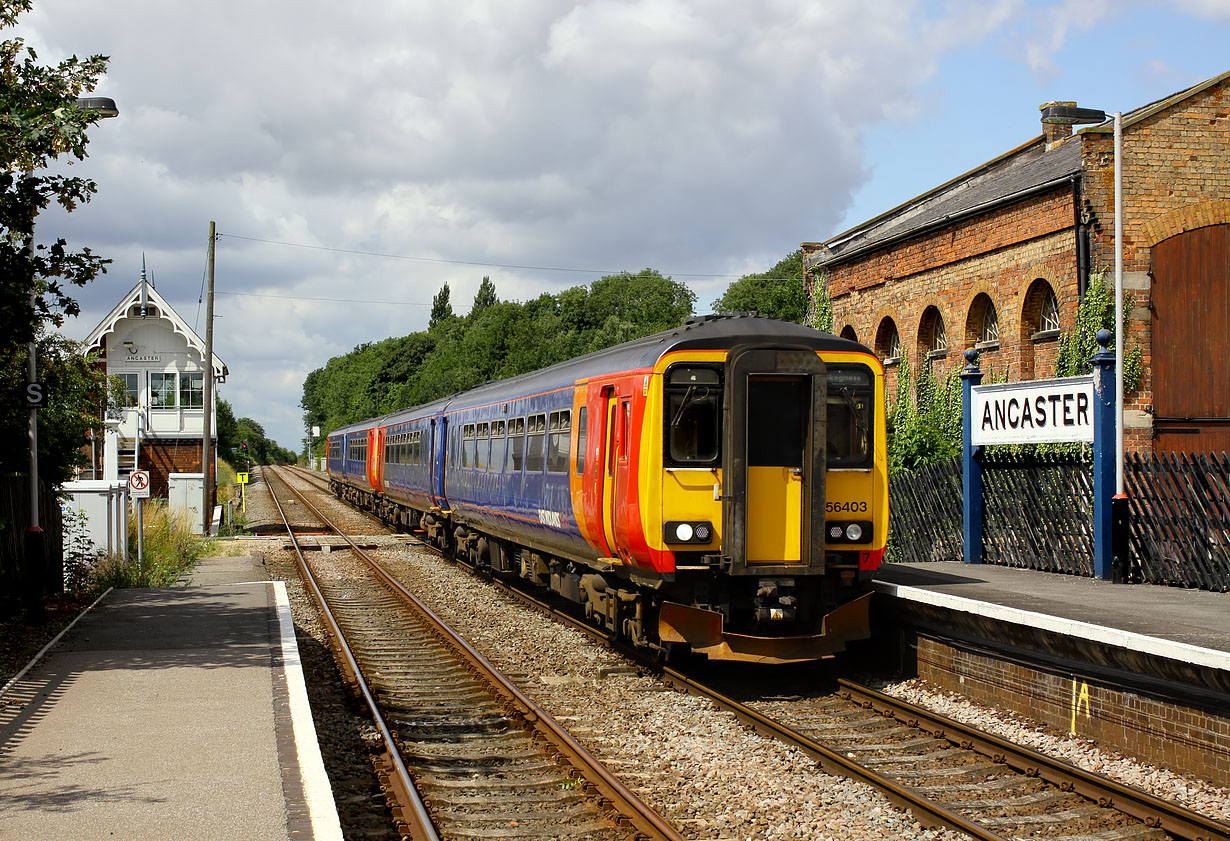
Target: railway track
945	773
466	753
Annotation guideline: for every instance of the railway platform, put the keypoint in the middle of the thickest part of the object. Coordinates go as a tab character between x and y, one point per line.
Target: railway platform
168	713
1141	668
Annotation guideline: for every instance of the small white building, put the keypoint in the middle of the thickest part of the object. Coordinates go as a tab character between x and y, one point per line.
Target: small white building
160	358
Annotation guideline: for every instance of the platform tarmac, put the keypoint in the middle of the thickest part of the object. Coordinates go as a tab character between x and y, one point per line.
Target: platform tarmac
168	713
1186	625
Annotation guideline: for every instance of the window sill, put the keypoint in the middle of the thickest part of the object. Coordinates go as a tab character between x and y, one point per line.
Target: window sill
890	361
937	354
1045	335
991	345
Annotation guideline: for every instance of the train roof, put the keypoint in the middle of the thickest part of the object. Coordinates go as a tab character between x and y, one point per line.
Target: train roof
717	332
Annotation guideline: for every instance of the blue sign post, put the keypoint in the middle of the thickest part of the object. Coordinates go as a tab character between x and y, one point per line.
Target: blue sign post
971	465
1074	409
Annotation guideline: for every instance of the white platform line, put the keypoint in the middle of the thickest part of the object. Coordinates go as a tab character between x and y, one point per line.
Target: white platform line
319	794
1180	651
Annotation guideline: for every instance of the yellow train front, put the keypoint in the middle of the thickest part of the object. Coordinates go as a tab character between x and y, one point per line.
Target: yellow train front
736	491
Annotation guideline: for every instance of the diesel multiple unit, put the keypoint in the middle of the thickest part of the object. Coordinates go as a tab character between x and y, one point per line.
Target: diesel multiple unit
720	486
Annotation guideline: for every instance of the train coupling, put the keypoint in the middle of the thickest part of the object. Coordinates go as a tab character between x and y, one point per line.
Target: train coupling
776	600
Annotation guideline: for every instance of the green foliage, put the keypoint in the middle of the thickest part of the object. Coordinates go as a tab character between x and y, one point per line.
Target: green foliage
924	426
777	293
77	392
821	316
38	125
170	549
441	309
1096	311
498	339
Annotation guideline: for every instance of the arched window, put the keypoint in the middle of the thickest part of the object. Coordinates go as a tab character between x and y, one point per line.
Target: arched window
847	332
1049	318
982	323
932	339
888	340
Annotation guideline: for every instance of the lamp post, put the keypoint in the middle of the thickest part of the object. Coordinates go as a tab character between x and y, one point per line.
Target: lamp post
1071	115
34	548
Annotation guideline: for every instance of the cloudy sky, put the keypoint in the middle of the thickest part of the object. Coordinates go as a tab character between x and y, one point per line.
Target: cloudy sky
357	158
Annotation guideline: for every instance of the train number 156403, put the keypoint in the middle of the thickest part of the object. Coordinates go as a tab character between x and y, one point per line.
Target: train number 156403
839	507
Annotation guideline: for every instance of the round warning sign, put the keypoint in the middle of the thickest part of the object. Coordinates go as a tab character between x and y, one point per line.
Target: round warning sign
138	484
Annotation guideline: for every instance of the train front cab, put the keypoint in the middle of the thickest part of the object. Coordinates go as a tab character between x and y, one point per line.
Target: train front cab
779	580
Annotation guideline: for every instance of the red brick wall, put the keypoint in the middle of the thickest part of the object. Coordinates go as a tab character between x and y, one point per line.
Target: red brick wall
999	255
162	458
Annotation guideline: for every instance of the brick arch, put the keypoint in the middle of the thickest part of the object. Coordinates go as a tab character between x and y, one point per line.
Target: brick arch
848	332
879	329
1037	357
1184	219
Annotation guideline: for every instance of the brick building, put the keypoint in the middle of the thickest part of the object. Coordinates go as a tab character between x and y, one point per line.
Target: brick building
998	258
159	357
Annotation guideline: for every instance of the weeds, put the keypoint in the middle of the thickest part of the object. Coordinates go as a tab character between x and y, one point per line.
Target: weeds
170	549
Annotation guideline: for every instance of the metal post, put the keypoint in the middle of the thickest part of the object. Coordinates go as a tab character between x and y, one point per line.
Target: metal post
971	463
34	543
136	465
207	509
1103	464
1119	506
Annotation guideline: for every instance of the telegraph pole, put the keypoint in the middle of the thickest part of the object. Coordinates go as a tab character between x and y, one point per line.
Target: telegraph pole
207	398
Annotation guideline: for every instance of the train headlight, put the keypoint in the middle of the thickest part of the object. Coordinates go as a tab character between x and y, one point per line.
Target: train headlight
687	531
848	532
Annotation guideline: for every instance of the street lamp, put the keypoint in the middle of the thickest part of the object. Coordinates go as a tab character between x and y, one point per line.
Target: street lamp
1071	115
34	548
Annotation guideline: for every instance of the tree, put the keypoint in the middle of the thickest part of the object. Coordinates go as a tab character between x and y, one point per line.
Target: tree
777	293
441	309
485	297
40	123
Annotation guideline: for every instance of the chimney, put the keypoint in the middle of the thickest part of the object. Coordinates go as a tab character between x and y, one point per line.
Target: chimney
1056	129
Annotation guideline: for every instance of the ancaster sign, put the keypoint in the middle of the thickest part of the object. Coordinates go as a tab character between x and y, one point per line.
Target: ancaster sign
1038	412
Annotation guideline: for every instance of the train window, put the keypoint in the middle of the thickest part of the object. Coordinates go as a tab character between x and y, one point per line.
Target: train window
848	432
482	439
416	447
536	443
467	445
559	438
516	443
625	429
497	446
693	415
582	434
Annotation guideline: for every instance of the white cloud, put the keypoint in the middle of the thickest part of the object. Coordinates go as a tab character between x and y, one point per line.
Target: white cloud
682	135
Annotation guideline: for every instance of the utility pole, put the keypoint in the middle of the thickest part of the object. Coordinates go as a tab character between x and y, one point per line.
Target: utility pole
207	389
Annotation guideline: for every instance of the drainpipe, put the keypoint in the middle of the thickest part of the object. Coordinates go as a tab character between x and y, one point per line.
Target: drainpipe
1082	240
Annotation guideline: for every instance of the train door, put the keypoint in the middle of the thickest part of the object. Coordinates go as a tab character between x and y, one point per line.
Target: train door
612	437
775	461
375	458
438	452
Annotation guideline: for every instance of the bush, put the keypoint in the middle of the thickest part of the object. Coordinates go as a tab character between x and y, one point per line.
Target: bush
170	549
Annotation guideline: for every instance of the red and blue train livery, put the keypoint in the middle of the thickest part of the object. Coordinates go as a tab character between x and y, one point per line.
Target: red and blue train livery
720	486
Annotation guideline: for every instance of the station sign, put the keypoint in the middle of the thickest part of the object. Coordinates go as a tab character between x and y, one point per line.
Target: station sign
138	484
1037	412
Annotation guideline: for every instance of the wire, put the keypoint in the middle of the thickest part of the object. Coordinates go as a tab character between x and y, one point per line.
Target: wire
457	262
328	300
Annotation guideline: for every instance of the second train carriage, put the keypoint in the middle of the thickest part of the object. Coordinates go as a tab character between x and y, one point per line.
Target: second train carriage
722	485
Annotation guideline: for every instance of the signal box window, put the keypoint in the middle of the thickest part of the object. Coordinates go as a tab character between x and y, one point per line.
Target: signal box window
131	386
191	391
162	391
693	416
559	438
536	444
848	424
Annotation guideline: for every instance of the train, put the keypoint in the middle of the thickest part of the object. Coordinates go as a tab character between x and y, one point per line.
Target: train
720	488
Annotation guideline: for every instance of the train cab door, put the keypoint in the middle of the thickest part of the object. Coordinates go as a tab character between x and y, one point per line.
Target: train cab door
439	447
610	470
775	460
375	458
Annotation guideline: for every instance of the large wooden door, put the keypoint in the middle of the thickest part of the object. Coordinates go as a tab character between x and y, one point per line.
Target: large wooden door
1191	341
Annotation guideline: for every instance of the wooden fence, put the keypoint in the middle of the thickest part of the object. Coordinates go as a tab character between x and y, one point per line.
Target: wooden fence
1039	515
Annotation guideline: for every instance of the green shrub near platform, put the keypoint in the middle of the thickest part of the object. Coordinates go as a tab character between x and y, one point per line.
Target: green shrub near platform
170	549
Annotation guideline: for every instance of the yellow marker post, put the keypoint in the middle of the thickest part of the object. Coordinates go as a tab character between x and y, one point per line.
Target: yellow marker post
242	479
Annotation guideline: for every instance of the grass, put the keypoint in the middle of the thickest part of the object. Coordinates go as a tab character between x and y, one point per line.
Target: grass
170	549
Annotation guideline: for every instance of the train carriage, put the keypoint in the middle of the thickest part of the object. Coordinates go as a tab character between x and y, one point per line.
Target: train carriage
720	486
